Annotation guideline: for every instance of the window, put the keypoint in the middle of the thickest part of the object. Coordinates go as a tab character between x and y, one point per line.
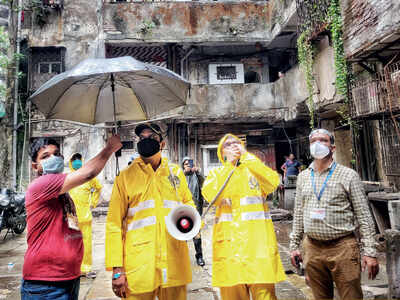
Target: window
213	156
224	73
49	67
210	158
43	64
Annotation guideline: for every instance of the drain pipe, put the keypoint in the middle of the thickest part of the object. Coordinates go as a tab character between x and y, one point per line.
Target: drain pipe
16	81
184	58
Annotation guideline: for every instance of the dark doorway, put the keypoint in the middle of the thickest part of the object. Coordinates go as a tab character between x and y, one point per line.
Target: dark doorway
251	77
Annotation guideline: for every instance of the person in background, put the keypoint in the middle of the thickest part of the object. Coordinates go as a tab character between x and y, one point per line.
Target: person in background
291	167
85	197
330	201
52	263
147	262
195	181
246	260
283	168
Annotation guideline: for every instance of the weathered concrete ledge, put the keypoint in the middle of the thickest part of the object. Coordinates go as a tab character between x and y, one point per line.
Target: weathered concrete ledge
190	21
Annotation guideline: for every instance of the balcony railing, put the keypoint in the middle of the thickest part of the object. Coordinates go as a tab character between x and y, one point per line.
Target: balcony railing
391	77
377	95
367	99
390	146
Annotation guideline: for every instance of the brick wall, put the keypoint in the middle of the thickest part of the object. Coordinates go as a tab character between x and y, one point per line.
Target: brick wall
368	21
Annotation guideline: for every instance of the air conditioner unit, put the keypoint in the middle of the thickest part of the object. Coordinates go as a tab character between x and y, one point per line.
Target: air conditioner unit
225	73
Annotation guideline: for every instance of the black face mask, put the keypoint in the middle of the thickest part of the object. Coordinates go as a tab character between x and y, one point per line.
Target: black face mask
148	147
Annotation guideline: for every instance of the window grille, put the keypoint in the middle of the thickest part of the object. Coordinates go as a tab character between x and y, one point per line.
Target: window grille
226	72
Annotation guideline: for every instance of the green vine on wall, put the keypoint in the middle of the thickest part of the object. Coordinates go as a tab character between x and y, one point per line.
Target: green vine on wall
342	74
306	60
336	28
306	54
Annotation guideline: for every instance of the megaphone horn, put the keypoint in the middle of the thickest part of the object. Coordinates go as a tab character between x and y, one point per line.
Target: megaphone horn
183	222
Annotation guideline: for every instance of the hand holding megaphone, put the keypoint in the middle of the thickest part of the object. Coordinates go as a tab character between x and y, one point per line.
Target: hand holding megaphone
183	222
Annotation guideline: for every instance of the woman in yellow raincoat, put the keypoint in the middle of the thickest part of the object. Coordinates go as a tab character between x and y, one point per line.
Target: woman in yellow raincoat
85	197
146	261
245	251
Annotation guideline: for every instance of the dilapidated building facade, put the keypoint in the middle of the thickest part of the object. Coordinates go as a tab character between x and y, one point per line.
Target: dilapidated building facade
372	44
241	59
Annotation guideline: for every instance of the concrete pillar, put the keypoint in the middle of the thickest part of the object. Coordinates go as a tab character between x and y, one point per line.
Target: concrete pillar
393	262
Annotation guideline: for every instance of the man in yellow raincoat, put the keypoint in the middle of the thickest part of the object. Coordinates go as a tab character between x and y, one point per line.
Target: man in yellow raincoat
85	197
245	251
146	261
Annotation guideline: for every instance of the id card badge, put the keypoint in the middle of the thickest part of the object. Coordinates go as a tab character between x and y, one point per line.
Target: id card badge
72	222
318	213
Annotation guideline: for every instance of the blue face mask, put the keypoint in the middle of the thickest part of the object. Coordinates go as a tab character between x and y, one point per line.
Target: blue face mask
77	164
52	165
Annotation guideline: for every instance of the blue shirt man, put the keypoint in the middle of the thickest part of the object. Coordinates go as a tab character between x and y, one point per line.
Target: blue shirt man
291	166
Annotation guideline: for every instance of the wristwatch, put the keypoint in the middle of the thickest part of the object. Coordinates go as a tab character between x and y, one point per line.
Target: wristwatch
116	275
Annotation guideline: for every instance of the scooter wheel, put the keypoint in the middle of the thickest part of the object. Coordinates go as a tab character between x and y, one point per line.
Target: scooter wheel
20	226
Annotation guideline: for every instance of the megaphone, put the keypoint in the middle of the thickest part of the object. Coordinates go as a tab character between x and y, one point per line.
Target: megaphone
183	222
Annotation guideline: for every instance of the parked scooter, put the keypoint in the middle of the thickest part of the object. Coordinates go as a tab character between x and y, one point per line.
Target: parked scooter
12	211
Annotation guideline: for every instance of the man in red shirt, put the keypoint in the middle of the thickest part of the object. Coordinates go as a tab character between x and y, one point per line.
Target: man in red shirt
55	248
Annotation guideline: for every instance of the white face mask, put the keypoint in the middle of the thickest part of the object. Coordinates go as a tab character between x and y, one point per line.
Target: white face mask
318	150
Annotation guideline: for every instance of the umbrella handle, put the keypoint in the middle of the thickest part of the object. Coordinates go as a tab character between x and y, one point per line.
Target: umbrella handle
116	164
115	131
117	153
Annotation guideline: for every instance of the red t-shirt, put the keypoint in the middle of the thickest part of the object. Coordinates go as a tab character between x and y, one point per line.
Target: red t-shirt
54	250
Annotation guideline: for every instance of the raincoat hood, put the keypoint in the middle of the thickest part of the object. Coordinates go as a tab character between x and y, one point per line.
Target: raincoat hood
221	142
185	159
70	161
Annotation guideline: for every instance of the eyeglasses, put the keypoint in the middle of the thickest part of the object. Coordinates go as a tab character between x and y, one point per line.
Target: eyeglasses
153	136
231	143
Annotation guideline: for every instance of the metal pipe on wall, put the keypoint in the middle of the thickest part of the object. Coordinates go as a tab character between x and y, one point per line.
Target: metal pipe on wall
15	117
195	144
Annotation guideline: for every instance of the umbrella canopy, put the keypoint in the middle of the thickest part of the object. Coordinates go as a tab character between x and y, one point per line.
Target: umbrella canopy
84	93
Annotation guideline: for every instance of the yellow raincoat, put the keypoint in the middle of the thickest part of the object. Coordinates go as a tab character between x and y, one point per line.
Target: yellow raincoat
85	196
245	249
136	235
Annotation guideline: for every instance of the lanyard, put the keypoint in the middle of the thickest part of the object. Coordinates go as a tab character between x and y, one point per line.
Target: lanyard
324	184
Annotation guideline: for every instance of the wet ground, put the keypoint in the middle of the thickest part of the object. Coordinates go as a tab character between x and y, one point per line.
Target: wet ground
12	250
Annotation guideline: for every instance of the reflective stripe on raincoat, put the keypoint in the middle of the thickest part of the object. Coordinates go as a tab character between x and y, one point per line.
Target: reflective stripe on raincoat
245	249
85	196
136	235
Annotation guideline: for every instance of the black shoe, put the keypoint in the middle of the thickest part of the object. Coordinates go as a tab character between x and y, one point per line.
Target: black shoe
200	261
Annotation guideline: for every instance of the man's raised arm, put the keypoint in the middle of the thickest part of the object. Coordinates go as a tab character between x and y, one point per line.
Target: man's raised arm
93	167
